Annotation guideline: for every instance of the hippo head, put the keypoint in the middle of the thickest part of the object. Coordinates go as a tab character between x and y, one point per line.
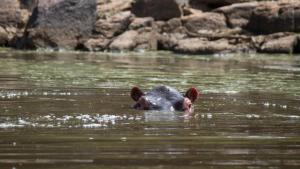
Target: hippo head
164	98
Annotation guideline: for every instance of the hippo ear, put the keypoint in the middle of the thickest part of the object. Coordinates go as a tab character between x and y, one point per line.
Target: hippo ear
192	94
136	93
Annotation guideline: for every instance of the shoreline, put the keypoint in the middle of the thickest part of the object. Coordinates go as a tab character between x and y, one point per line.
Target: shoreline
182	27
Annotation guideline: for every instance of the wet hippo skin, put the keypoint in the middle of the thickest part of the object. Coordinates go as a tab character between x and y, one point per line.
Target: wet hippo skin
164	98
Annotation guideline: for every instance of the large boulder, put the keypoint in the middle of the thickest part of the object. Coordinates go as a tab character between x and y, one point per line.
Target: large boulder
158	9
204	21
272	17
61	23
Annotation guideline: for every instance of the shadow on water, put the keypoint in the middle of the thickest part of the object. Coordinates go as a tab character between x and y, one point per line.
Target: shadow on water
73	110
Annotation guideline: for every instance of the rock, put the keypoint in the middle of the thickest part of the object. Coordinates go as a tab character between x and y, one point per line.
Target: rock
12	15
173	25
168	41
272	17
157	9
96	44
146	40
126	41
114	25
275	44
192	11
28	4
13	20
238	15
202	46
207	5
3	37
143	39
218	34
61	23
141	22
106	9
204	21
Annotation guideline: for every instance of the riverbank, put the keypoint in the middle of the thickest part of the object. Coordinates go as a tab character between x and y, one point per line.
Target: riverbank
195	27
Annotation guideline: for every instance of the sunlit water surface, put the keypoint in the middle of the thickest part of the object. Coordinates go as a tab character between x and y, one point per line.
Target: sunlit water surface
73	110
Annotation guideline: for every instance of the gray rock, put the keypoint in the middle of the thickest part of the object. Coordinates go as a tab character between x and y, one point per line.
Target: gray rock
61	23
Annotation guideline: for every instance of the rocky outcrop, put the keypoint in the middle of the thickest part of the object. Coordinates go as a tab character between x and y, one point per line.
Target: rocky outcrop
159	10
198	27
75	23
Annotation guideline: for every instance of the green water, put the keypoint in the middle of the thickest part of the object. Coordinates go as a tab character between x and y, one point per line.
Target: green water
73	110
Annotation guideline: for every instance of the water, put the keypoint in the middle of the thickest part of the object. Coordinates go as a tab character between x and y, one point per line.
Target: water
73	110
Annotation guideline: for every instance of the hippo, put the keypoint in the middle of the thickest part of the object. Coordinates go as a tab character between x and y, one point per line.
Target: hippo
164	98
